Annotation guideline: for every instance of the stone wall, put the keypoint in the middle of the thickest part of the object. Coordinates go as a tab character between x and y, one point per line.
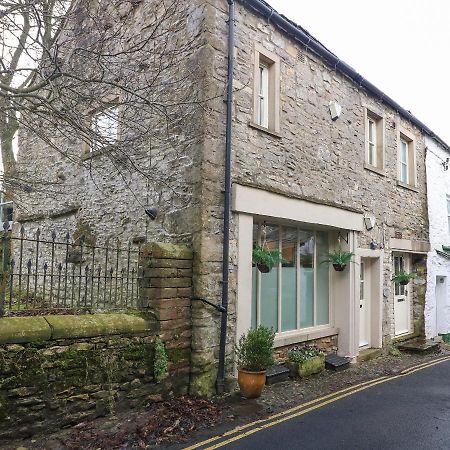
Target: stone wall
59	370
312	158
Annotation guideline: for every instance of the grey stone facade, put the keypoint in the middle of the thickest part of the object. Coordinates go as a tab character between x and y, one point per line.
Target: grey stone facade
313	158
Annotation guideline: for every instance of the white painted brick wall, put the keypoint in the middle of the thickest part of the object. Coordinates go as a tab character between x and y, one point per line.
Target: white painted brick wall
438	187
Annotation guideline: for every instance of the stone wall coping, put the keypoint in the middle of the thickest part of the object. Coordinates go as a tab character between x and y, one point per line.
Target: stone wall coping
15	330
162	250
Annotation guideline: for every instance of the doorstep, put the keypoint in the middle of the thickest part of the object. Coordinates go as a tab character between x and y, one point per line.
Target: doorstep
368	353
423	346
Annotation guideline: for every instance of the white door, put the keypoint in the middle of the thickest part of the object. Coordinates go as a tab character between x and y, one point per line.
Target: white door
364	305
402	307
441	305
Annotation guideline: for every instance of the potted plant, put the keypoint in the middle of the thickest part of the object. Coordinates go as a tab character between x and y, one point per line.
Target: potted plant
265	259
403	277
254	355
339	259
305	361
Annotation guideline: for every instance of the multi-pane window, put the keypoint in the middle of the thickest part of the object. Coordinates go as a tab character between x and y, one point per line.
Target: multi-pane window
399	266
262	112
266	90
295	293
404	159
448	212
372	142
105	127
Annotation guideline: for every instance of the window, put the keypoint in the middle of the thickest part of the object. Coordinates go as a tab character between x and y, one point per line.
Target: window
105	127
295	294
448	213
406	161
266	90
263	96
374	141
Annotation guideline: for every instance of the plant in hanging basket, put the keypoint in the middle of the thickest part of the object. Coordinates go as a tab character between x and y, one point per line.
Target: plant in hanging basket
339	259
254	353
403	277
265	259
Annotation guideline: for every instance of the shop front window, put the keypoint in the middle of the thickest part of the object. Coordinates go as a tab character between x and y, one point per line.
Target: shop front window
295	293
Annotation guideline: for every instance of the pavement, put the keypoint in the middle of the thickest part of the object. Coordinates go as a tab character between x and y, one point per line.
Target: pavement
410	410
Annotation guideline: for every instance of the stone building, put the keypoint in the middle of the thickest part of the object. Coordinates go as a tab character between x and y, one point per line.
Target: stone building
320	160
437	313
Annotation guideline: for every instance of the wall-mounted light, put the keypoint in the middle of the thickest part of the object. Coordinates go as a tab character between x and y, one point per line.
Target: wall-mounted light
369	221
335	109
445	164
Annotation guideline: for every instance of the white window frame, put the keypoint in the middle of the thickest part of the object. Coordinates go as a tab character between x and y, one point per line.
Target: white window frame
266	91
404	163
279	301
448	212
372	142
262	113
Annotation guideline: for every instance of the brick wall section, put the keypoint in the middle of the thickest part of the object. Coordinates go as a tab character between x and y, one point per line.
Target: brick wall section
167	290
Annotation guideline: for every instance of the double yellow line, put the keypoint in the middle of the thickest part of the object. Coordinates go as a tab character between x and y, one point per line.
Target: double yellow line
258	425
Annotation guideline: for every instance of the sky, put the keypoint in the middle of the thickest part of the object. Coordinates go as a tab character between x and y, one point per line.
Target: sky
400	46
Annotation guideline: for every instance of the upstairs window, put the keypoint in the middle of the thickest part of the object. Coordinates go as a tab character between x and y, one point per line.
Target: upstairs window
448	213
266	89
404	157
262	113
374	125
406	160
105	128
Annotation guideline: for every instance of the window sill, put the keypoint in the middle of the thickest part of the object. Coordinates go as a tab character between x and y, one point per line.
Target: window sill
374	169
264	130
407	186
299	336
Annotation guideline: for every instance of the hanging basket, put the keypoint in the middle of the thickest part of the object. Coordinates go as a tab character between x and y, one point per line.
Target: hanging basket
263	268
404	282
339	267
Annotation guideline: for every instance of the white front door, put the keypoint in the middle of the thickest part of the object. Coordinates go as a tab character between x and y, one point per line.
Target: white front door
364	304
402	307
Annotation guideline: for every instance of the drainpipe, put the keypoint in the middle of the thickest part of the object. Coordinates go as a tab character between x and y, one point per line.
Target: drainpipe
227	200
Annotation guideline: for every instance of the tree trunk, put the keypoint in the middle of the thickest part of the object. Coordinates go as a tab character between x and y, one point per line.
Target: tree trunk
8	128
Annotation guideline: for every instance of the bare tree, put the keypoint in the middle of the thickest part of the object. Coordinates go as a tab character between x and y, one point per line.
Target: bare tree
110	77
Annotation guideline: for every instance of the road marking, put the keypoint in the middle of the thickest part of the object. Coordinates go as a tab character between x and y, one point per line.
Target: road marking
304	408
274	416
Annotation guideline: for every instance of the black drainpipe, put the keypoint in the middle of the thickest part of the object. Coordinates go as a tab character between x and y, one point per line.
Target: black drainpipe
227	201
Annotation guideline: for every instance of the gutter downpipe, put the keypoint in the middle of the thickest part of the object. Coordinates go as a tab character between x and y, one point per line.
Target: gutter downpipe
227	202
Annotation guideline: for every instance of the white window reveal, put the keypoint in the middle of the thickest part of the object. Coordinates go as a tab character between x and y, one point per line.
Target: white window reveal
105	126
372	141
263	96
448	213
404	157
294	294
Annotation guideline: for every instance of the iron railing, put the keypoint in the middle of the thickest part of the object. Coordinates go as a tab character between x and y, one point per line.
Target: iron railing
47	273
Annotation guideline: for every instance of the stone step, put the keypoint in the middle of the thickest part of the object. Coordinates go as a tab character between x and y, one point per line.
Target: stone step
423	346
277	374
336	363
368	353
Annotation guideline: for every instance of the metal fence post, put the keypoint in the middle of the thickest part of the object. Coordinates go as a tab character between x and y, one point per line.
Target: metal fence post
4	267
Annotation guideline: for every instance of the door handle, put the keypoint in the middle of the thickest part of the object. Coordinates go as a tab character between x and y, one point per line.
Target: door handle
401	300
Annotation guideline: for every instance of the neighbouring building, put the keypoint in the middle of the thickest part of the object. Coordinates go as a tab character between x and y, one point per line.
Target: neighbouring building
320	160
437	306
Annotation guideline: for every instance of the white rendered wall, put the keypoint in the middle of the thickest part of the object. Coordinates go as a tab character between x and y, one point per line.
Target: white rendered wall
438	187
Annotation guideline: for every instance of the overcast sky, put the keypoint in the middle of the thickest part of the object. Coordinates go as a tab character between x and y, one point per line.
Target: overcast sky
401	46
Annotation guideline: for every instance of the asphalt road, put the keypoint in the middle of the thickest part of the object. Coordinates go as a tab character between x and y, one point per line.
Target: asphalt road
411	412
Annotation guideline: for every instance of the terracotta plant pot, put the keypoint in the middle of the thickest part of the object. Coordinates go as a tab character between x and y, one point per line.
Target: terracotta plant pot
251	384
263	268
339	267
